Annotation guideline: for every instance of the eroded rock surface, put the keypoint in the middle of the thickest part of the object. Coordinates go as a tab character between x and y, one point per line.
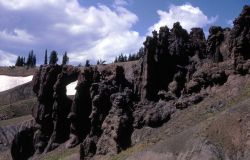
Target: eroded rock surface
178	70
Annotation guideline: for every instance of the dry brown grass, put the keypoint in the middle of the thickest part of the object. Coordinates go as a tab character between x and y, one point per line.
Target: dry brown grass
17	71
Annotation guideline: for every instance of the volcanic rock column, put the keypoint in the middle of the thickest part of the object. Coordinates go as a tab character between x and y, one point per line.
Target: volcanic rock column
81	109
61	107
43	83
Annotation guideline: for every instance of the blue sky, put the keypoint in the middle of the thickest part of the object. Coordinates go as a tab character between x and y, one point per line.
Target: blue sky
99	29
146	10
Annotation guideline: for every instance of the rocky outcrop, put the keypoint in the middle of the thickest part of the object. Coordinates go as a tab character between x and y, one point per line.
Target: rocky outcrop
61	107
44	81
153	114
8	132
168	50
81	109
240	35
178	70
107	110
22	145
117	126
198	44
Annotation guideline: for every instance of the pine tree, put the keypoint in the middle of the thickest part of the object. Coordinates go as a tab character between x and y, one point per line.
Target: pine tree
31	60
65	59
46	57
34	60
53	57
100	61
24	63
87	64
18	61
116	60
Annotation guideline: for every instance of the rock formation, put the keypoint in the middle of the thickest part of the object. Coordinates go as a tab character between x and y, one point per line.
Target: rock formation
61	107
176	72
22	146
43	87
104	109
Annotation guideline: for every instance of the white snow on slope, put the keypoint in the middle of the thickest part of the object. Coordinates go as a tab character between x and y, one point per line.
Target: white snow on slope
8	82
71	88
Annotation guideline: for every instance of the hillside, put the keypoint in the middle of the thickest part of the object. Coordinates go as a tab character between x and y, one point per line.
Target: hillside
17	71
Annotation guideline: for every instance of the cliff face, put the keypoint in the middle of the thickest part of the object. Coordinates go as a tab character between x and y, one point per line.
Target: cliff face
175	73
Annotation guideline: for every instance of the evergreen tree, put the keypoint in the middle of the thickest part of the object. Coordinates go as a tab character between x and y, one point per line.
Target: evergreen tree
24	63
46	57
87	64
131	57
18	61
53	57
100	61
31	60
34	60
65	59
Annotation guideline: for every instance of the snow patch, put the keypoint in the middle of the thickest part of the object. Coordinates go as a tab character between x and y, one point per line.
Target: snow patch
8	82
71	88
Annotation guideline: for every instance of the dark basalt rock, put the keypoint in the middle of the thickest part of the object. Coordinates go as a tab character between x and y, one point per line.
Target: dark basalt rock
44	81
117	126
240	35
167	50
81	109
197	42
204	77
101	94
152	114
61	107
215	38
22	145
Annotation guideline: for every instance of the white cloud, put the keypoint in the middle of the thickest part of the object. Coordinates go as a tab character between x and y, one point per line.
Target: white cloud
188	16
64	25
230	23
7	59
17	35
24	4
120	2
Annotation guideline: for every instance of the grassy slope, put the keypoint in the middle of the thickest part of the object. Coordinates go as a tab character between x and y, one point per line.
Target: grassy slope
17	101
15	121
20	108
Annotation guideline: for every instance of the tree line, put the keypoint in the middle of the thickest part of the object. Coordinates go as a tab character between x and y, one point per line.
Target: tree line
31	60
130	57
53	58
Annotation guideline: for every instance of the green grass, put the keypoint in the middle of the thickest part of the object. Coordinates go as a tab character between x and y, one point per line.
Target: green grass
130	151
20	108
60	154
14	121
